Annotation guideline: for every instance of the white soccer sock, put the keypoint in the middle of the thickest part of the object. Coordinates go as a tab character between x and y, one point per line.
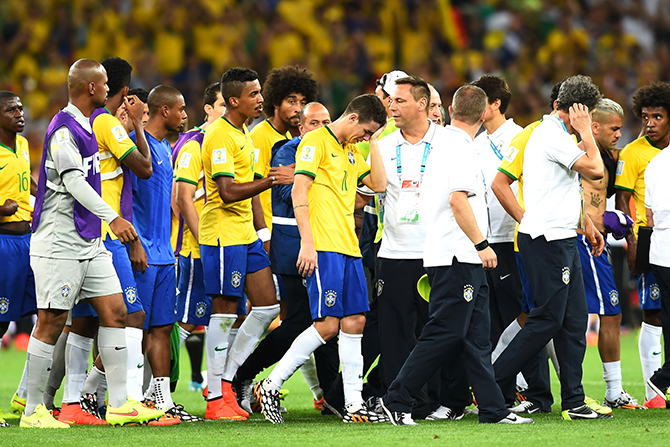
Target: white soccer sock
505	338
521	382
612	376
93	380
247	338
163	396
352	370
301	348
551	351
57	370
22	390
308	370
147	382
650	349
114	355
183	335
232	334
77	352
135	362
101	391
38	364
216	350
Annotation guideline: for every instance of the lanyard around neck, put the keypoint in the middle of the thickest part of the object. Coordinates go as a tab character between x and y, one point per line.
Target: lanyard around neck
496	149
424	158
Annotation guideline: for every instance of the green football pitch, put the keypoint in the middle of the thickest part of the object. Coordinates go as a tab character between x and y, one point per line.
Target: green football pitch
304	426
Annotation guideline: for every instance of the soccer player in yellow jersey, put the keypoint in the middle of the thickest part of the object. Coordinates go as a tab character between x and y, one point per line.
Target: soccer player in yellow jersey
285	92
328	170
17	284
652	105
232	254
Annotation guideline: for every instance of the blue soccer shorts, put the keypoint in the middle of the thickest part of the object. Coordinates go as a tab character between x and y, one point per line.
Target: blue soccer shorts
157	288
17	282
337	288
225	268
602	296
648	291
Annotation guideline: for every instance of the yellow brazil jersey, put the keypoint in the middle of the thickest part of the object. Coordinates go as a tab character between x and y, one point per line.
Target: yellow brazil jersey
264	136
189	170
15	180
114	145
227	151
632	164
512	164
336	171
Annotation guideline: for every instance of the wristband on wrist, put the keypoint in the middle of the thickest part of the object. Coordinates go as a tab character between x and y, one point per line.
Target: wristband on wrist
264	234
483	245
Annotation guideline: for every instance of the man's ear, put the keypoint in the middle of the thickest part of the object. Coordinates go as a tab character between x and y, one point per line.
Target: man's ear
495	105
91	88
353	117
124	91
165	111
234	102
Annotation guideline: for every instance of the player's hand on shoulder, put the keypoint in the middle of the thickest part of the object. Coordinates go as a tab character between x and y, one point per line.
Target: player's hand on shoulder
580	118
9	207
282	175
307	260
123	229
489	258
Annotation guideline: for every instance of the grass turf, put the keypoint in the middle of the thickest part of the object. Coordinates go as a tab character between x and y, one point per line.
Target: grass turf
304	426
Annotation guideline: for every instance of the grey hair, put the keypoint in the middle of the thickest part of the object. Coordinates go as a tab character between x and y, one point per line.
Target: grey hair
468	104
578	89
605	108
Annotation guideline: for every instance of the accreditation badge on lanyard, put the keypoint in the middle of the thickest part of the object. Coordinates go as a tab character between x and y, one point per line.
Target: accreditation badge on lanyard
408	210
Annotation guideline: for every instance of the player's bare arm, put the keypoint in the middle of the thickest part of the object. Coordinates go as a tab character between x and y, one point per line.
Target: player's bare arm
465	218
501	187
307	258
376	181
9	208
231	191
591	165
184	200
139	160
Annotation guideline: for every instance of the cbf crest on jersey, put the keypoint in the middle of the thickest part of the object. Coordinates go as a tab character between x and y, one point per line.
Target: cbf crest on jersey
468	292
131	294
331	296
655	292
350	155
236	279
565	275
4	305
65	292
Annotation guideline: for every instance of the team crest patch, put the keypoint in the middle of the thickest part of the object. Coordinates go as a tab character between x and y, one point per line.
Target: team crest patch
236	279
468	292
331	296
351	158
219	156
614	297
201	309
131	294
65	292
380	286
4	305
655	292
307	153
565	276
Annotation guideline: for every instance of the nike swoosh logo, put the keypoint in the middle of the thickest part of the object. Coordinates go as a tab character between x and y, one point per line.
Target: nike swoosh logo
333	155
4	167
160	162
118	348
134	413
140	365
221	349
656	353
48	369
503	277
